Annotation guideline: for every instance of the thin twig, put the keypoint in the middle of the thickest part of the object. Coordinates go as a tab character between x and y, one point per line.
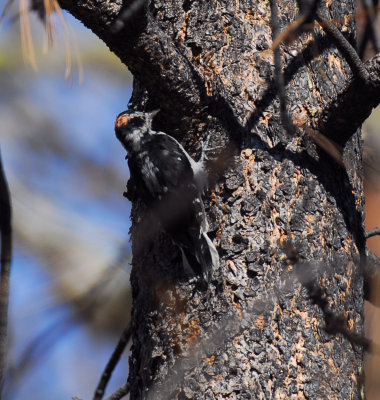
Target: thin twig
121	392
115	357
279	77
372	232
82	307
331	148
126	14
344	46
370	31
6	258
308	275
303	23
371	278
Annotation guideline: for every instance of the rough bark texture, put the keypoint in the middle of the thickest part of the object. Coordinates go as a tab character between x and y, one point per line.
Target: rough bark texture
254	333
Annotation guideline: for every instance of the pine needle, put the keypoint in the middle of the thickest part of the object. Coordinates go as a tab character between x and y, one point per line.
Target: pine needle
27	45
66	35
47	11
50	27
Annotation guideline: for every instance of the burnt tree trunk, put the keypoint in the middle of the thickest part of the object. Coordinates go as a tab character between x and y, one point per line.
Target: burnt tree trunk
287	218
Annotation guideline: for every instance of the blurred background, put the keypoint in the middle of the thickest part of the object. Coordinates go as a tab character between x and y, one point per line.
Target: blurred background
66	172
70	289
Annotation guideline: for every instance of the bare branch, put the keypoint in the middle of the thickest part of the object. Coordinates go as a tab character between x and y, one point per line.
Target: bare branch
6	258
344	46
279	77
121	392
308	273
303	23
370	32
115	357
371	275
372	232
354	105
125	14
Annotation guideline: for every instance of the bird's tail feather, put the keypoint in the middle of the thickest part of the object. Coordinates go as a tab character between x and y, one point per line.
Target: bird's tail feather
201	256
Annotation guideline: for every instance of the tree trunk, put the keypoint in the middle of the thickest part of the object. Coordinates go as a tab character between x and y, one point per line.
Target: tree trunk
277	316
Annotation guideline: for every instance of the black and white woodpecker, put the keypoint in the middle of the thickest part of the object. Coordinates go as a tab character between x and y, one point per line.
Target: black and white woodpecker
170	183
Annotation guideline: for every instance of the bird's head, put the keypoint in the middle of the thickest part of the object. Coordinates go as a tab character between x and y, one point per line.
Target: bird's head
131	126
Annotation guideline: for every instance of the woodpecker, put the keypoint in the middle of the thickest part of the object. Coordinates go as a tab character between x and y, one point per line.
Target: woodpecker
171	184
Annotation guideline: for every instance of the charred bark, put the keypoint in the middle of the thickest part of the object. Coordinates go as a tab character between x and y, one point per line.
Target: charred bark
258	331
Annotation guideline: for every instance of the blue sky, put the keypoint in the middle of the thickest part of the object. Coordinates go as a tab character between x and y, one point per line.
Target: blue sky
82	118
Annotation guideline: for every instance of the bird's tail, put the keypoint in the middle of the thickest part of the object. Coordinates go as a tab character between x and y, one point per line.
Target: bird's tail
200	255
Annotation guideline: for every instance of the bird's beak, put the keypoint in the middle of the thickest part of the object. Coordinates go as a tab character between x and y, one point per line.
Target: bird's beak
154	113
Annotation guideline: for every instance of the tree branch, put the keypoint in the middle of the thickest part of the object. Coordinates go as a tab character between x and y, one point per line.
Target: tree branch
153	57
344	46
372	232
308	273
370	32
121	392
115	357
353	106
279	77
371	275
6	258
